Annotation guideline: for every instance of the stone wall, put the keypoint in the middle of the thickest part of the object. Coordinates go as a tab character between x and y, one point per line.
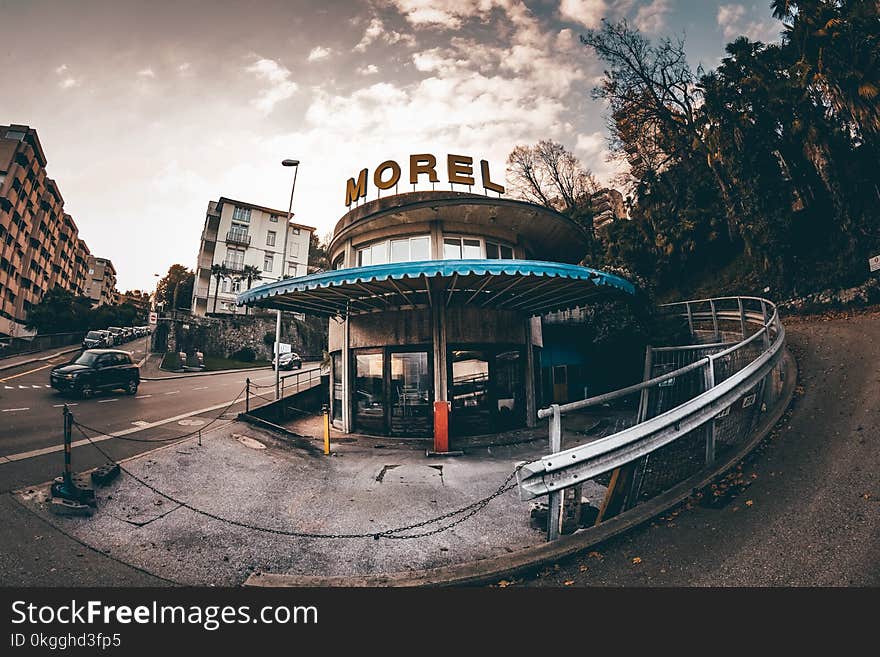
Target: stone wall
223	337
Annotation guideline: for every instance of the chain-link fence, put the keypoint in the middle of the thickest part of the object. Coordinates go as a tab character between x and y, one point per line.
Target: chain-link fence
696	403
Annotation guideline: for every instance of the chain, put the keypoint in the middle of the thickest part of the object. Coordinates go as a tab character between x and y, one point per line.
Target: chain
469	511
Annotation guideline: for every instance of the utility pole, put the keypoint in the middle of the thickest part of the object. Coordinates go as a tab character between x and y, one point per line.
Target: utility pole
295	165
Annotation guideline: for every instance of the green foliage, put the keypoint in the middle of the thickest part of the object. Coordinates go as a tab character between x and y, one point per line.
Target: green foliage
178	278
245	355
60	311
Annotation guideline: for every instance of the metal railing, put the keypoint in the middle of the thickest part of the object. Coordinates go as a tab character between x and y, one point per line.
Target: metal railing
238	237
675	421
256	394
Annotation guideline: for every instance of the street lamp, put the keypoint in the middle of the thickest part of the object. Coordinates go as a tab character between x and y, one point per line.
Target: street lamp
295	165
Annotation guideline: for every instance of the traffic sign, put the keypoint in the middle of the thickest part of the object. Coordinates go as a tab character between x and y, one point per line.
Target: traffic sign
154	318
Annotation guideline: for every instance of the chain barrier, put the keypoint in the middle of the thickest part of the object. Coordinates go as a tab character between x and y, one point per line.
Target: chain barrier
465	512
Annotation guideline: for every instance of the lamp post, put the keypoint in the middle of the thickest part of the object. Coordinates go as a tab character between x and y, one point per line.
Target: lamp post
295	165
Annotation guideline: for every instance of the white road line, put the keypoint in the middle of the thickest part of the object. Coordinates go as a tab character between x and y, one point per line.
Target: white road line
140	423
37	387
24	388
174	392
201	388
21	456
63	405
46	385
107	401
9	387
13	410
143	396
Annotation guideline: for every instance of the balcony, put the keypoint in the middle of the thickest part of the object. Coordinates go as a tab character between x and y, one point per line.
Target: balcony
238	237
233	267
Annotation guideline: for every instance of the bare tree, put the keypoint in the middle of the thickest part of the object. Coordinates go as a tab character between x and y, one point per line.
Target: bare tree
549	175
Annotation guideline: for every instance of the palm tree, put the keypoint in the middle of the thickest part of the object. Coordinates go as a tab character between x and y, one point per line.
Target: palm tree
250	273
220	272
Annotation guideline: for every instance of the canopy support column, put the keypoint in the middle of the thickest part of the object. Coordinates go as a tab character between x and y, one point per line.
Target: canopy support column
529	382
346	374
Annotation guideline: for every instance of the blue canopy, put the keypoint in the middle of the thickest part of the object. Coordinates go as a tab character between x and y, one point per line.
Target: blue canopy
527	286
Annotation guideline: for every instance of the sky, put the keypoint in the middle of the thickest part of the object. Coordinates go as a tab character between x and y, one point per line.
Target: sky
148	110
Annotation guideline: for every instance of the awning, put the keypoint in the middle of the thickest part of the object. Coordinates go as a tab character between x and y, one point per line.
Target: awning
526	286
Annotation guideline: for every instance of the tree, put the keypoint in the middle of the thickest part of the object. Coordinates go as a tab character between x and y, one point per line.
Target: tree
319	255
60	311
176	288
549	175
250	273
219	272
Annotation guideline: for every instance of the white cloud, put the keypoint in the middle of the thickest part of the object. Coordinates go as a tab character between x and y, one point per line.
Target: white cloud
586	12
319	52
184	67
68	83
735	20
61	69
146	73
651	18
369	69
592	148
445	13
281	87
376	32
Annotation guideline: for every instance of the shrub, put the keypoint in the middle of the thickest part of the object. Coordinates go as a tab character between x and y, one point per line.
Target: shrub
245	354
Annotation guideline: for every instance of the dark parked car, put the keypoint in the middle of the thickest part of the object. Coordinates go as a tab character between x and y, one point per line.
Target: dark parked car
288	361
118	334
94	370
94	340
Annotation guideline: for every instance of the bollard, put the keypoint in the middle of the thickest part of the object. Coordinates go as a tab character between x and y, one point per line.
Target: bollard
441	426
68	477
325	410
247	395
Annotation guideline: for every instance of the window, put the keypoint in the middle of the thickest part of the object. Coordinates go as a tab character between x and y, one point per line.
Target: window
234	259
236	285
91	271
273	218
14	134
267	263
451	248
462	247
225	286
338	263
495	251
375	254
294	248
270	238
294	231
241	214
291	269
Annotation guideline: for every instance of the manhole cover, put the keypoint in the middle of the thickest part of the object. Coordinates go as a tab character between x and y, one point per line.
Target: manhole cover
191	422
247	441
411	474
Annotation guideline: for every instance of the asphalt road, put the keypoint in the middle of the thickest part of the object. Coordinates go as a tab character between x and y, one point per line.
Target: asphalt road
31	415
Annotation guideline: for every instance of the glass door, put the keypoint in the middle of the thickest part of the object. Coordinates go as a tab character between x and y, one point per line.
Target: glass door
411	394
509	389
471	408
369	393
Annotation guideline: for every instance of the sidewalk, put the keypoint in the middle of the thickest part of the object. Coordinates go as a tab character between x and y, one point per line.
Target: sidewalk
25	359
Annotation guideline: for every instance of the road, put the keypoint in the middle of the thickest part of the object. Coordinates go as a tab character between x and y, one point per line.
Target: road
31	415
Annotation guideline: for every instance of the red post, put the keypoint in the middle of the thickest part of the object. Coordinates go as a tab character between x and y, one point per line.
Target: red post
441	426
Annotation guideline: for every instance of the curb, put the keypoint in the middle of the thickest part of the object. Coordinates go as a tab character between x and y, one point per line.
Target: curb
495	568
37	360
197	374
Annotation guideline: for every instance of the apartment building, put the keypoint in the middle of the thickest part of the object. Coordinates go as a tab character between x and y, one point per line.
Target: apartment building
237	234
40	246
102	282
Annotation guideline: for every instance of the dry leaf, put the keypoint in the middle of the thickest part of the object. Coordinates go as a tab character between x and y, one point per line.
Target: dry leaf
637	560
569	582
503	583
583	568
595	555
749	503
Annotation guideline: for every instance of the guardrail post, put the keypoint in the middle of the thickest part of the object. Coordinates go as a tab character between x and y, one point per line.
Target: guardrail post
690	317
710	423
68	424
742	317
714	319
554	513
247	395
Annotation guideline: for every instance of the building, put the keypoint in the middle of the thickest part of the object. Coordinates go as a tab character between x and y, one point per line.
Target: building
609	206
237	235
102	282
138	299
40	247
435	300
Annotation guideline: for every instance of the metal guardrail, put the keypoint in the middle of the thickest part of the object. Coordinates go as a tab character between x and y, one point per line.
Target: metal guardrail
562	469
255	395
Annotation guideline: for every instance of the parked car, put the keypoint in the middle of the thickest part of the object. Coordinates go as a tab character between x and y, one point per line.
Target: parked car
288	361
118	334
94	370
108	337
94	340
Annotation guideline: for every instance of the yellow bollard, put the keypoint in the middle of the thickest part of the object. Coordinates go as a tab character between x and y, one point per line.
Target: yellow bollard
326	411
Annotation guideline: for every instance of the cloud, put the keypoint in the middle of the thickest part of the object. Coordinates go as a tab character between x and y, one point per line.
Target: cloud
369	69
593	151
146	73
61	69
68	83
445	13
651	18
376	32
319	52
735	20
588	13
184	67
280	88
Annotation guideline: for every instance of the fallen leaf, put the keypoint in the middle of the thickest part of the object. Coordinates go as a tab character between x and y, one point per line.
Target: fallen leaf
637	560
569	582
595	555
583	568
503	583
749	503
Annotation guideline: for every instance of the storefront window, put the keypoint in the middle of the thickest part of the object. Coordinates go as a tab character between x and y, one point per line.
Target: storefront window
337	386
471	412
404	249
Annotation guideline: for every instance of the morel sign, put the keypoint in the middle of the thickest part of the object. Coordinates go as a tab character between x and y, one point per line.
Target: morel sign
459	170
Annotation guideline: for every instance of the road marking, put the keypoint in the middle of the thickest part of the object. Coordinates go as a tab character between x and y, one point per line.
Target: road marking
13	410
9	387
140	423
23	388
174	392
201	388
15	376
37	387
46	385
62	405
143	396
21	456
107	401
